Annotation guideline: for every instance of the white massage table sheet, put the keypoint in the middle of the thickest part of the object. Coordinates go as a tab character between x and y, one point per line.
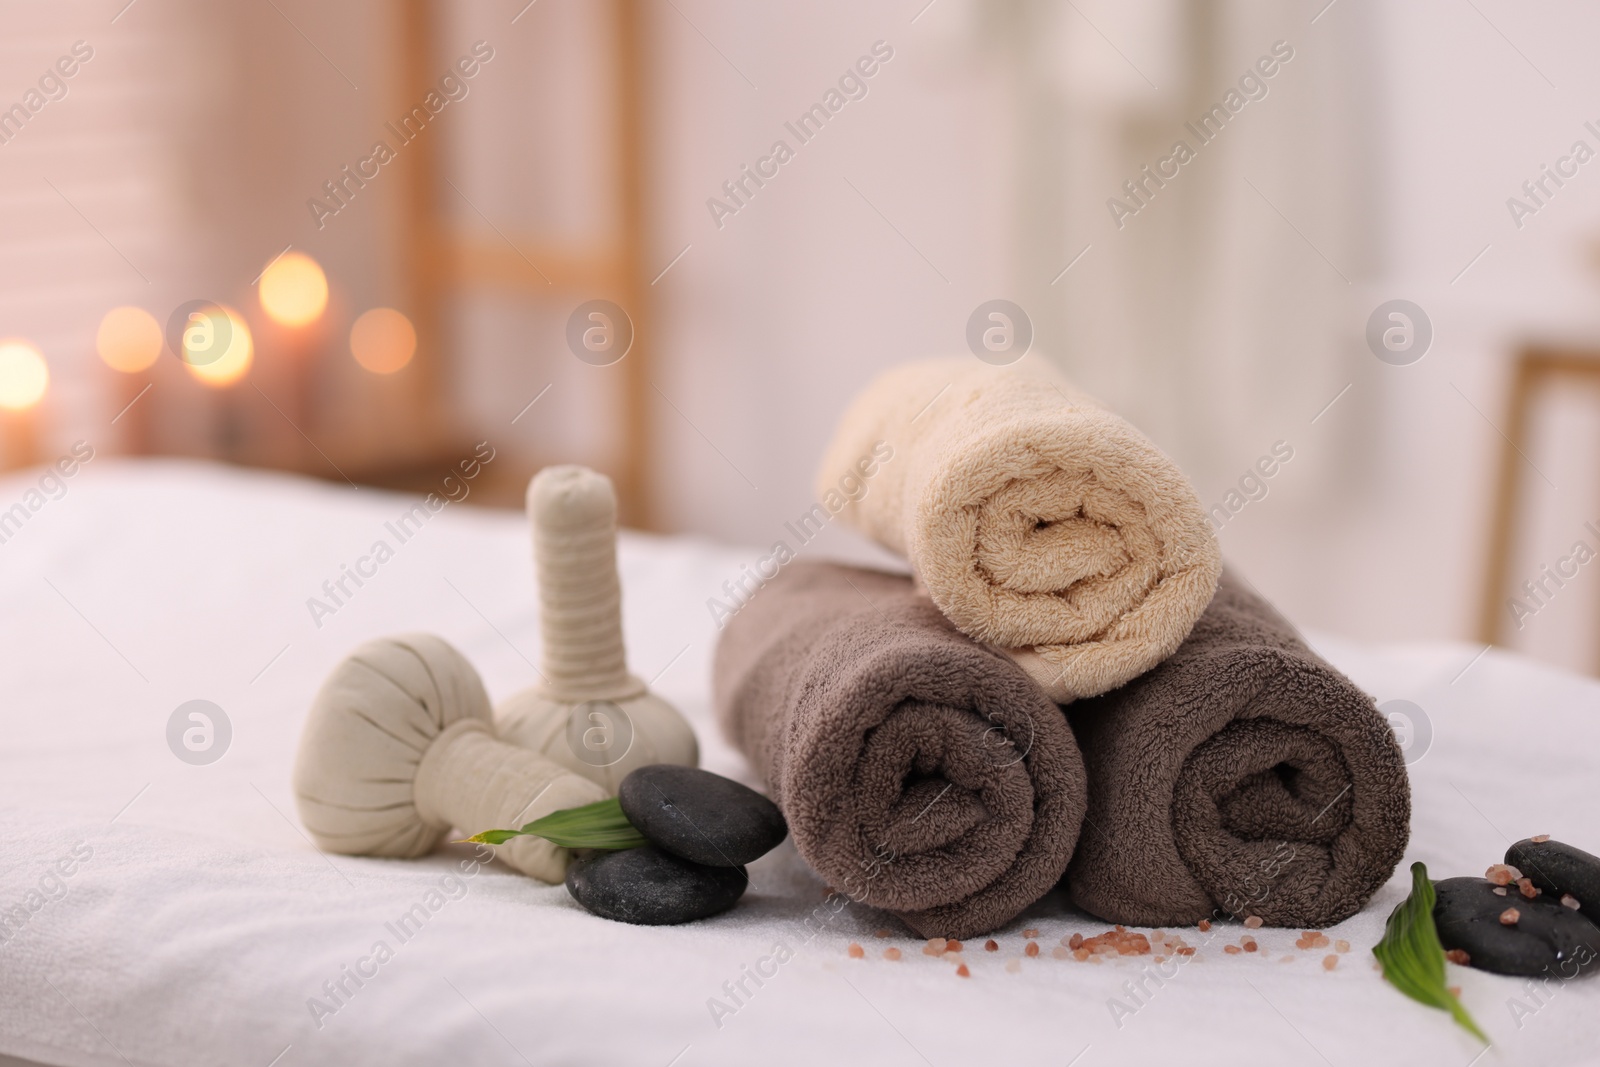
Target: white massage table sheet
202	921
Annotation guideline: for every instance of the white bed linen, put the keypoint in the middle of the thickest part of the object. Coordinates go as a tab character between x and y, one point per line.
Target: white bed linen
203	921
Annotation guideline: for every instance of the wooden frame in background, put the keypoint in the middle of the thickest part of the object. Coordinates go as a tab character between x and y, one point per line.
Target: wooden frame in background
1536	367
439	263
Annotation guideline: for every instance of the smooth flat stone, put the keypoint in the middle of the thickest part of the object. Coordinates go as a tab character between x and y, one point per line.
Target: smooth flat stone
649	887
701	816
1557	868
1547	939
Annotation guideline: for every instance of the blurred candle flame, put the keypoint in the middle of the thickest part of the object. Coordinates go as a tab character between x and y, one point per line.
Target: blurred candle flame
383	340
226	369
129	339
24	375
294	290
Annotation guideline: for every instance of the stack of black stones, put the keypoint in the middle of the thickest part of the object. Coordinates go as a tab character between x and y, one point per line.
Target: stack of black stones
1535	914
702	828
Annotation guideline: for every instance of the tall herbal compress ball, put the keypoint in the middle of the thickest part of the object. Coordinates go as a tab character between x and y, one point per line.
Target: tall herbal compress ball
589	714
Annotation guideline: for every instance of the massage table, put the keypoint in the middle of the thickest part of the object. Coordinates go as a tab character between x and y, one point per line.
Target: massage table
199	926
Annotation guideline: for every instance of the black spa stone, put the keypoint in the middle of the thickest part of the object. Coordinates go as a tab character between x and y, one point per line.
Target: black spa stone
649	887
1557	869
1547	939
701	816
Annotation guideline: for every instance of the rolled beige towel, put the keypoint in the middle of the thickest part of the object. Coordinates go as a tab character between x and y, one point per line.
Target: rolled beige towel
1039	522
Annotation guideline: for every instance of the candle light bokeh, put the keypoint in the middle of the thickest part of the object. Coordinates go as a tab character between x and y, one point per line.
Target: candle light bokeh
294	290
383	340
129	339
233	363
24	375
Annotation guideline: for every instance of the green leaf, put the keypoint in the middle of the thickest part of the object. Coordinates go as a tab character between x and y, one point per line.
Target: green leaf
1413	958
598	825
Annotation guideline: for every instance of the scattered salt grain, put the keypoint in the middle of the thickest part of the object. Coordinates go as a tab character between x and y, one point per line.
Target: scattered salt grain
1569	901
1528	889
991	945
1330	962
963	972
891	953
1542	838
1061	952
1249	944
1205	925
1341	946
1032	949
881	933
1500	890
1030	932
1252	922
1459	957
1232	950
1502	874
934	947
1509	917
1013	965
1117	942
856	951
1311	939
1287	959
952	945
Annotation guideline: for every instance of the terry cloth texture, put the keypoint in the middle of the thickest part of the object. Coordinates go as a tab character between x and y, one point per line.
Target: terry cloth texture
1243	774
1040	522
919	772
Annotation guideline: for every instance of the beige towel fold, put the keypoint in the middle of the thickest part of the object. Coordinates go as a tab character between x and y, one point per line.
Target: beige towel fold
1039	522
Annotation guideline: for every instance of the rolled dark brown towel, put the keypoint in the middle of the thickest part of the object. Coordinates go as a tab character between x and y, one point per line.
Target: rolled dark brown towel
1243	774
919	771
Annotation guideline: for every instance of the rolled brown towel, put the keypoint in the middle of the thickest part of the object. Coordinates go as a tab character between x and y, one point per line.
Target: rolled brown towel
1243	774
920	772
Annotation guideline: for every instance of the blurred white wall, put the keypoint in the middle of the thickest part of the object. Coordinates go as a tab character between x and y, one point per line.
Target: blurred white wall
1378	528
1222	318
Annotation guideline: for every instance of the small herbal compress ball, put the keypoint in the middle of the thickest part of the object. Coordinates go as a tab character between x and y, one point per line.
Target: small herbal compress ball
399	747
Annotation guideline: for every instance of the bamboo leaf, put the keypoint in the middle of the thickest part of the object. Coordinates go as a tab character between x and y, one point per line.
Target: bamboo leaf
599	825
1413	958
